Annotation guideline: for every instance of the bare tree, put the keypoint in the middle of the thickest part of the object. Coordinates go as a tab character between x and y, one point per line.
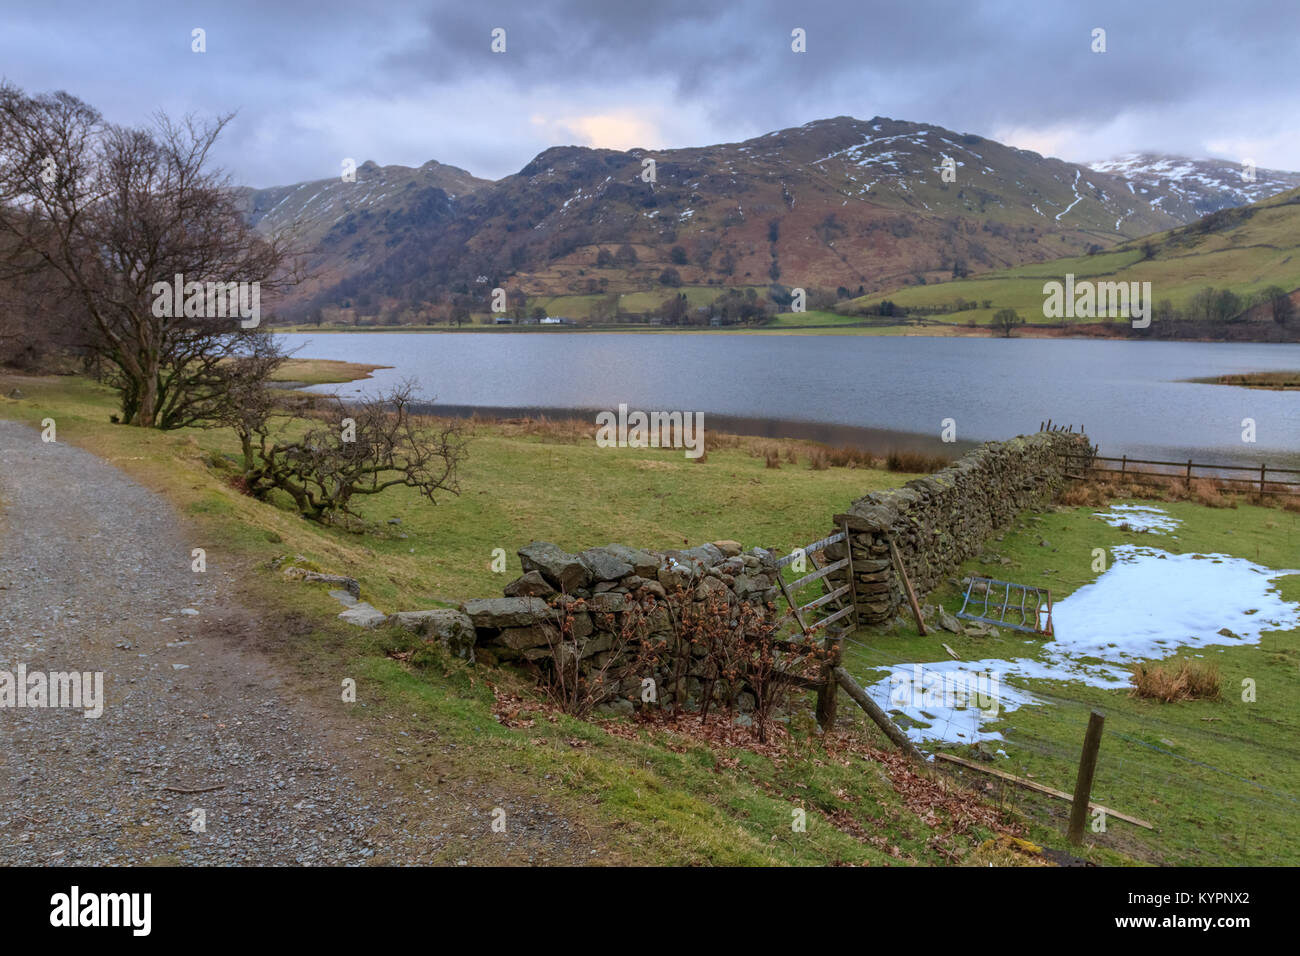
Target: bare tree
112	215
362	449
1279	303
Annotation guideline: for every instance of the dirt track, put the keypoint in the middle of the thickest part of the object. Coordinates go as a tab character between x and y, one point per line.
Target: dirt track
95	575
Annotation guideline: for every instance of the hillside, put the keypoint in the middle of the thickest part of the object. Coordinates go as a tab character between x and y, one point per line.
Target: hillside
1189	188
1242	250
347	228
834	204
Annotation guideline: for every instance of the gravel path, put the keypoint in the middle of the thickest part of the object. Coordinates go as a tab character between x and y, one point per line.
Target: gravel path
95	576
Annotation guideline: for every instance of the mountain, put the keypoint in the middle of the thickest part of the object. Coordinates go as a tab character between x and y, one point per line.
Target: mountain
1208	279
834	204
1188	188
348	228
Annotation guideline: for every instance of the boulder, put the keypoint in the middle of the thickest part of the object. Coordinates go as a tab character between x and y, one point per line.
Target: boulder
507	611
562	569
452	629
729	549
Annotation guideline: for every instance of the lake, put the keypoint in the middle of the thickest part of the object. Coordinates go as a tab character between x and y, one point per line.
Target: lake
877	392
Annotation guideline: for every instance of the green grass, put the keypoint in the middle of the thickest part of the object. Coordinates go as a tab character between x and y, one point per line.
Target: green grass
516	487
1202	815
657	798
1260	251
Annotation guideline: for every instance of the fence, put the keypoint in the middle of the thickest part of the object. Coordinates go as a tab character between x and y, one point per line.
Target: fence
1151	771
1251	475
842	596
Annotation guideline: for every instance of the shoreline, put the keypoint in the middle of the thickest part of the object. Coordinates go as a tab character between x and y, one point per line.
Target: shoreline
875	441
935	331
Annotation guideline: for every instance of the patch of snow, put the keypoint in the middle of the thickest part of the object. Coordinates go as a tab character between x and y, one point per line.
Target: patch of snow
1139	518
1074	186
1146	606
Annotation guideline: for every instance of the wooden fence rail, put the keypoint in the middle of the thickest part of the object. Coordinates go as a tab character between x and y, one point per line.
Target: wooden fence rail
1261	475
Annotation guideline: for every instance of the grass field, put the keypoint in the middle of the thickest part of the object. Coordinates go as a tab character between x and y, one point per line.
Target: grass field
652	795
1217	778
1261	250
646	795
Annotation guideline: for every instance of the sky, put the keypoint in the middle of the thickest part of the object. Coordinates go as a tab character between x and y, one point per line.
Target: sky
313	83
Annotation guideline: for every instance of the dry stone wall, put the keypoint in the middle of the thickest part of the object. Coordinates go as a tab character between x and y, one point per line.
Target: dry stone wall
941	520
593	591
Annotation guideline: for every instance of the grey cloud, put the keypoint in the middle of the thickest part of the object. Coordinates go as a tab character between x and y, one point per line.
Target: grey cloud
406	82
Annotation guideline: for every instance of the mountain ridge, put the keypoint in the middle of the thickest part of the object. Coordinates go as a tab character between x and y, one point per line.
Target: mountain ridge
837	203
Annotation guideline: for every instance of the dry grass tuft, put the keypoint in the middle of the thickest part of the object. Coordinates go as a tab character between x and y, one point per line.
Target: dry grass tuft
1174	681
915	462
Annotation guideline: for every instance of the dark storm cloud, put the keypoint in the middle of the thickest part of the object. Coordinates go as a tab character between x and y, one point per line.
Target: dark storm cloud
407	82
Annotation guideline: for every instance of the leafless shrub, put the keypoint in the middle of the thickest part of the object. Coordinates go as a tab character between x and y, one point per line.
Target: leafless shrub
358	450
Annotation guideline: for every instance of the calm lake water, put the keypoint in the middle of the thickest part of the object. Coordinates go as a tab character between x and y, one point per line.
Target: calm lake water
859	389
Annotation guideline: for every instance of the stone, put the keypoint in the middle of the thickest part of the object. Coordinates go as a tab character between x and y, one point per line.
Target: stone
604	565
562	569
508	611
729	549
607	603
616	708
343	597
452	629
524	638
674	577
655	588
315	577
701	556
363	615
948	622
645	563
711	589
530	584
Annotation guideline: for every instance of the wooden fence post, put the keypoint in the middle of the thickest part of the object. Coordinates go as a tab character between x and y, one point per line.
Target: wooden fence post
900	739
1262	468
1083	782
